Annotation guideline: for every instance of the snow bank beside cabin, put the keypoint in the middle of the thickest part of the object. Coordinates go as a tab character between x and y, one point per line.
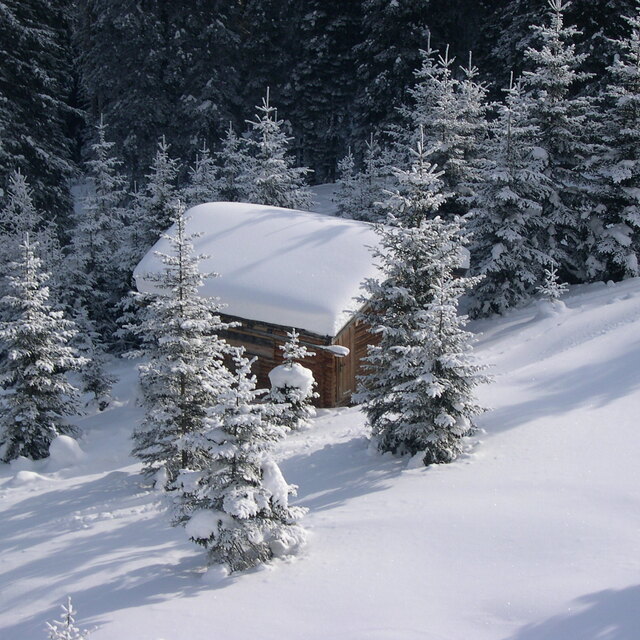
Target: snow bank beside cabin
284	267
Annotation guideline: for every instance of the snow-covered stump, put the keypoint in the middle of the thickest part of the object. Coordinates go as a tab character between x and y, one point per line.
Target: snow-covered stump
292	385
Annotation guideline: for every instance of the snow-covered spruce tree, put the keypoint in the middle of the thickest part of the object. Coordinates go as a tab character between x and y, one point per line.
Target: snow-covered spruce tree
564	124
95	379
272	178
292	384
157	201
37	356
551	288
237	504
506	222
372	182
417	391
235	167
419	195
203	180
99	278
617	228
19	216
66	628
346	195
185	372
451	115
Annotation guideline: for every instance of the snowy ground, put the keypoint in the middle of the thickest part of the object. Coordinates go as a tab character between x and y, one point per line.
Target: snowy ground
534	535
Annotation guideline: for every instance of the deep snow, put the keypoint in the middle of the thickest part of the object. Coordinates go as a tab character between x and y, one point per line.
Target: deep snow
533	535
286	267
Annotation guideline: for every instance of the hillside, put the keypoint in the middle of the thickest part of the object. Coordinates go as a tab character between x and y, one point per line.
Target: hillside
533	535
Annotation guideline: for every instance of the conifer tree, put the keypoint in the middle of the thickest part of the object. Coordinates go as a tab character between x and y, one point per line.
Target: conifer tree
235	166
101	280
417	390
552	288
66	628
88	342
563	122
185	372
37	356
272	178
616	253
292	384
237	504
346	195
157	201
506	223
203	183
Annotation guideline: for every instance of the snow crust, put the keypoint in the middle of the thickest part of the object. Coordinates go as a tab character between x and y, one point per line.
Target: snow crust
291	268
295	376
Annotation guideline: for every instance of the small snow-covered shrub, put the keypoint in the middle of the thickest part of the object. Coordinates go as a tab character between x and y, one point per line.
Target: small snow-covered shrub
65	628
292	385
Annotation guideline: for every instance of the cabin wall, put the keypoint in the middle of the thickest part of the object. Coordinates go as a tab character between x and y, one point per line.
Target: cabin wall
336	377
356	336
262	340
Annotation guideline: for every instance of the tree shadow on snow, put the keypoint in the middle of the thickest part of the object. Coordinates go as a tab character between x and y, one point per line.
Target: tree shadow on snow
594	385
337	473
605	615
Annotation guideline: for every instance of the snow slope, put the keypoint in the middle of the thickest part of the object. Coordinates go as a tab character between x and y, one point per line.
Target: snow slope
533	535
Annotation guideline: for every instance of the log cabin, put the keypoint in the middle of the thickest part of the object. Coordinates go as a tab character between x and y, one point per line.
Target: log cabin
282	269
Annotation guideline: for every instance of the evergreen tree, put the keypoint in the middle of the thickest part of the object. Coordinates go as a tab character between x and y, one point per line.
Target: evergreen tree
563	122
89	344
392	34
203	180
37	357
417	391
551	289
234	166
66	628
20	216
506	223
273	179
237	504
346	195
185	372
451	115
99	231
156	203
35	101
372	183
419	195
617	228
292	385
323	89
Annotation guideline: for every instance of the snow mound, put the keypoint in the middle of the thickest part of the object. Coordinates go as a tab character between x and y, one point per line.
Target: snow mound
64	451
21	464
290	268
549	308
294	375
23	478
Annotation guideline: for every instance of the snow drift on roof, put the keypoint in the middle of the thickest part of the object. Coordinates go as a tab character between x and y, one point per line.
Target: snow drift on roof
284	267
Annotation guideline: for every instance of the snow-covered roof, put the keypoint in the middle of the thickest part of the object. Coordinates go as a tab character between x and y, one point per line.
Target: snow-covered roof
284	267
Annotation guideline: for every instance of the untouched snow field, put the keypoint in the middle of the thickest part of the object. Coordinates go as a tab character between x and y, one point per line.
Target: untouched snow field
533	535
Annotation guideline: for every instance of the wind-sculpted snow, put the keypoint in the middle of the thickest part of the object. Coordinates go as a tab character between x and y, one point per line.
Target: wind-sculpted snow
530	535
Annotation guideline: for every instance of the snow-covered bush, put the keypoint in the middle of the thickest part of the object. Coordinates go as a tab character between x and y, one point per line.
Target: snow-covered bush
237	504
292	385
